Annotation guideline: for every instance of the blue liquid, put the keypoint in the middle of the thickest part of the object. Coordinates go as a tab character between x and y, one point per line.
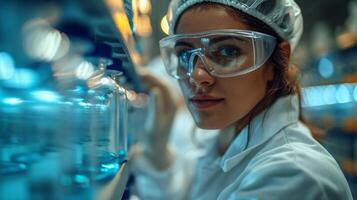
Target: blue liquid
122	156
26	158
8	168
105	168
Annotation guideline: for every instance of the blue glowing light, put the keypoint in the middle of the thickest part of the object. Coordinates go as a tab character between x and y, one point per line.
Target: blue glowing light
343	94
23	78
12	101
47	96
78	89
81	179
355	93
110	166
83	104
91	92
7	66
326	68
312	96
329	95
67	103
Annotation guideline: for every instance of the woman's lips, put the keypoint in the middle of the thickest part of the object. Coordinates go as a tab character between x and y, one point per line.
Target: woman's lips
205	102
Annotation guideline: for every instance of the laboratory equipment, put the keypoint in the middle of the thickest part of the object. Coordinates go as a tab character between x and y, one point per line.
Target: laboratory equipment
63	108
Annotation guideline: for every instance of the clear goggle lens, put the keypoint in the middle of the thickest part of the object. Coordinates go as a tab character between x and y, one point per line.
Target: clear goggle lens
224	53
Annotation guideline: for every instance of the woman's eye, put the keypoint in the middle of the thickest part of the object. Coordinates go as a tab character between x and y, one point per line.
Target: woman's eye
228	51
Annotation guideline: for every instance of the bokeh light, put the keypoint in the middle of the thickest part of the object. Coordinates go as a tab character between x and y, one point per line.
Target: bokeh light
12	101
84	70
355	93
43	42
165	25
326	68
329	95
23	78
46	96
343	94
144	6
7	66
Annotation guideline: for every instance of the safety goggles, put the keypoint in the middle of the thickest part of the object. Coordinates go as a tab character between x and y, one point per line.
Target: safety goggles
224	53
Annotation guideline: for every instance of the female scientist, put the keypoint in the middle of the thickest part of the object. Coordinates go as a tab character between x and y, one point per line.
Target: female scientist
231	59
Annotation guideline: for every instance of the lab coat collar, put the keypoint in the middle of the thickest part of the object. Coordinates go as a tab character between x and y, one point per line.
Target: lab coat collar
283	112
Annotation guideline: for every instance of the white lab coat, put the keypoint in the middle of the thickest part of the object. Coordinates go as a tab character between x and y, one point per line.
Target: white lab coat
277	159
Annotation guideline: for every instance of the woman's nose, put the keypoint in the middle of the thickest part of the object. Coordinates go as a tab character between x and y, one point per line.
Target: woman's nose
200	74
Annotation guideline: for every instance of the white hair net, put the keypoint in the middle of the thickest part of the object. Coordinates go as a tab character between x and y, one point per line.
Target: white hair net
283	16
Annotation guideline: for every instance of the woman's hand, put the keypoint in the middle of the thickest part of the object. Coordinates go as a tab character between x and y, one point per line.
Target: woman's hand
155	141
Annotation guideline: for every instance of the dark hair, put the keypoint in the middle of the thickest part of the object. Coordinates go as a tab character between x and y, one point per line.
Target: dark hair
285	80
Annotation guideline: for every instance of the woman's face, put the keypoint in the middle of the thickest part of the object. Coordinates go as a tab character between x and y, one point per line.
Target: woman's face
218	102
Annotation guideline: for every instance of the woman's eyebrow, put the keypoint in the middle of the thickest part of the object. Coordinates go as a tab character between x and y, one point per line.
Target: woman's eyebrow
211	41
219	39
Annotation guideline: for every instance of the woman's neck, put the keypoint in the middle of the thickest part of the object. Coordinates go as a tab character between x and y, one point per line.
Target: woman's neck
228	134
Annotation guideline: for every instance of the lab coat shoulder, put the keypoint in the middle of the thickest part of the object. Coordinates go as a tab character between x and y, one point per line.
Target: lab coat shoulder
292	165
